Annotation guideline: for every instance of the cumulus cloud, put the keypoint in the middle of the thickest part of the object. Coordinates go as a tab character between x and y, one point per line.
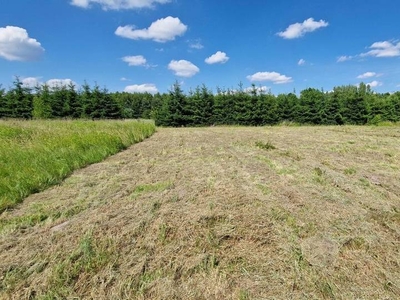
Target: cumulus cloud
137	60
16	45
162	30
297	30
274	77
344	58
367	75
119	4
30	82
259	89
196	45
217	58
301	62
383	49
60	82
183	68
142	88
375	84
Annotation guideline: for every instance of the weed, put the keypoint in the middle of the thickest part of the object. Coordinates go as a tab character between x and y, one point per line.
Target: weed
319	175
364	182
244	295
350	171
325	288
264	189
265	146
90	256
164	230
208	263
147	188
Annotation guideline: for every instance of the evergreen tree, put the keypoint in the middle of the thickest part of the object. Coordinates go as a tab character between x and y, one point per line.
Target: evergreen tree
269	109
3	111
42	103
286	107
174	110
59	104
331	110
85	97
311	103
224	108
111	108
19	101
75	106
394	104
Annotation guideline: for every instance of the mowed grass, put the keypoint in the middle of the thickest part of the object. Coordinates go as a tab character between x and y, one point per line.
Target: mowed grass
217	213
37	154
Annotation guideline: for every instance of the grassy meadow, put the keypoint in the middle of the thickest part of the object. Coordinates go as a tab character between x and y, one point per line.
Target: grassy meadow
37	154
217	213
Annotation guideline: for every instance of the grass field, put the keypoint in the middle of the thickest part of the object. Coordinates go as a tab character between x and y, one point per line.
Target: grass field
37	154
217	213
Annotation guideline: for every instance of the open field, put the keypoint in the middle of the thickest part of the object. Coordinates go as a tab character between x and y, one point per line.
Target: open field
37	154
217	213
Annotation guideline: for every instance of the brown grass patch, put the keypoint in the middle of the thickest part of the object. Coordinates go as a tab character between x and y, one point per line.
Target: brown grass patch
217	213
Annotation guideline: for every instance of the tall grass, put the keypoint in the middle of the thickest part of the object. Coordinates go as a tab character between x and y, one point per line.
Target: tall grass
37	154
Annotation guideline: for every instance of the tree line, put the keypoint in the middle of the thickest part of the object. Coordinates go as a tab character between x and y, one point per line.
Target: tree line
356	105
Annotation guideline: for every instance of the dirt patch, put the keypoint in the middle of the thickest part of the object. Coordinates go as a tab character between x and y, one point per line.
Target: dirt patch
208	213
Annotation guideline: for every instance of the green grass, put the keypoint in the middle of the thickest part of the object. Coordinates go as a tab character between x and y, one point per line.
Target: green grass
37	154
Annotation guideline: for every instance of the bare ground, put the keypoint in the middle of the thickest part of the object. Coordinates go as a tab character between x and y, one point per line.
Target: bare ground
214	213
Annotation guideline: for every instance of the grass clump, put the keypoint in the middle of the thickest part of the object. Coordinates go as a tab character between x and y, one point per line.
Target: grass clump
265	146
37	154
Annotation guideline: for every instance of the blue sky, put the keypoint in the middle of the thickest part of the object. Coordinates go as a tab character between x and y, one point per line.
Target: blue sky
146	45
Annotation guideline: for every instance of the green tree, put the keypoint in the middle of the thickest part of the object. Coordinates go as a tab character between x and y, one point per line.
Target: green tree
224	107
3	111
310	106
174	109
74	102
111	107
19	101
286	107
42	103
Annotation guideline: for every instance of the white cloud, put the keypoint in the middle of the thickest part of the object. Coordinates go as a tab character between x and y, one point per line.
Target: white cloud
367	75
16	45
300	29
142	88
183	68
31	82
259	89
137	60
52	83
162	30
375	84
219	57
196	45
383	49
274	77
301	62
119	4
344	58
124	79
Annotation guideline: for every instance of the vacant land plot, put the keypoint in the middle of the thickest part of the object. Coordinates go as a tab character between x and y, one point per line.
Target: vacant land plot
217	213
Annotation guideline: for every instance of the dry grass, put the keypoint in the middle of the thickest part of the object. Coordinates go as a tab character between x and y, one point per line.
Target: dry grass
210	214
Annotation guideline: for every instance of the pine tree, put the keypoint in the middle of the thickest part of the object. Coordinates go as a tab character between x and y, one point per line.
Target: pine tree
19	101
2	103
42	103
74	103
